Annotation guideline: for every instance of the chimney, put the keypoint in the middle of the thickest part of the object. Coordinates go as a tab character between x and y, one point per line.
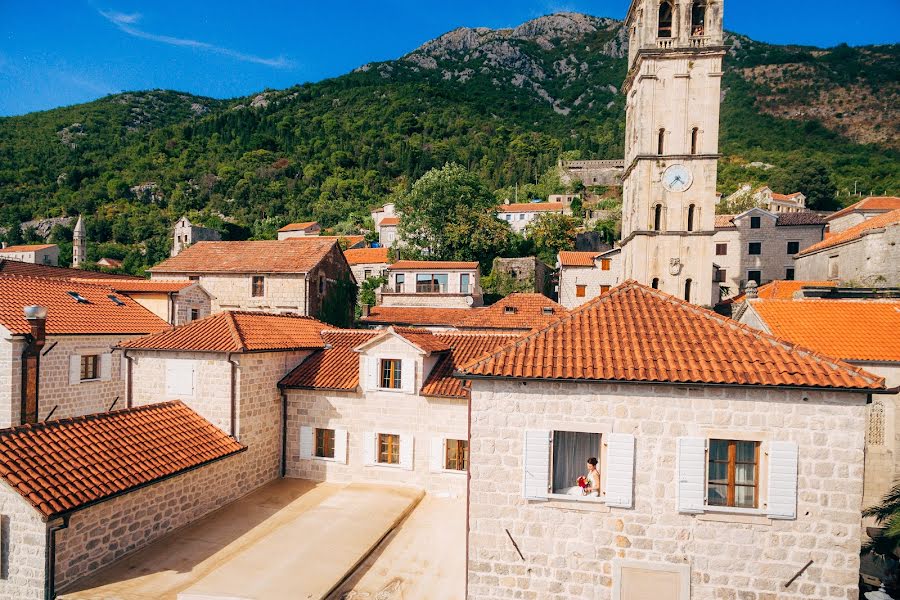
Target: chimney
31	362
366	309
751	291
3	245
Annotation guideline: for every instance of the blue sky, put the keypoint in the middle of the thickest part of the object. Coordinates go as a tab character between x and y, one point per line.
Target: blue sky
59	53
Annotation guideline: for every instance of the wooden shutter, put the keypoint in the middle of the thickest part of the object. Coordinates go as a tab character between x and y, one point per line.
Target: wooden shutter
406	452
536	460
438	447
74	369
620	470
782	501
371	365
408	376
179	379
369	448
690	466
340	446
306	442
105	367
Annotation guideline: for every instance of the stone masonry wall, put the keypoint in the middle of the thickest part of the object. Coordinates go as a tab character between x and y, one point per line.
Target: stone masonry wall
191	298
873	260
22	546
283	293
571	277
569	547
333	267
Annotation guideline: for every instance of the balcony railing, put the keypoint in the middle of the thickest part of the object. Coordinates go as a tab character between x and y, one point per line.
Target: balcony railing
426	288
665	43
699	41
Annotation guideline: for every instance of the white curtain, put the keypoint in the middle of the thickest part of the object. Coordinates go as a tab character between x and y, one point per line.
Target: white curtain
570	453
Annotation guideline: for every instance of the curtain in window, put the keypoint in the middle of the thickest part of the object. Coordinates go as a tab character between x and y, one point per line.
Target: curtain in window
570	453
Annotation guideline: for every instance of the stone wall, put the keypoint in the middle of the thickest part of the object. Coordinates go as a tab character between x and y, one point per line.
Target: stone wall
283	292
333	268
873	260
375	270
571	547
22	545
192	298
592	277
528	269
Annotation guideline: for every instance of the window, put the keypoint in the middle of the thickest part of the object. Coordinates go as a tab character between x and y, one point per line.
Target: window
661	142
399	280
690	217
547	310
655	283
605	264
604	289
721	249
665	19
90	367
388	449
789	273
755	248
720	275
464	283
258	286
754	276
431	283
321	284
521	216
325	443
793	247
833	267
733	473
391	374
457	455
195	314
367	273
570	452
698	19
695	138
194	278
580	291
755	222
509	310
657	218
687	289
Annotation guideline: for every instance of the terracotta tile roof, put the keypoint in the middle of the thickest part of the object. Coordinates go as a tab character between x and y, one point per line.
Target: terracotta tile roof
432	264
637	334
417	316
126	286
516	311
568	258
298	226
422	339
334	368
784	197
66	315
293	255
847	329
27	248
113	263
237	331
856	232
14	267
367	256
388	221
782	290
799	219
465	348
724	221
61	466
871	204
527	207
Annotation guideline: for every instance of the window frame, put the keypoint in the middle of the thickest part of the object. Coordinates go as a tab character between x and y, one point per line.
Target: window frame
750	246
323	442
731	474
721	275
258	286
393	449
605	264
464	287
790	274
580	291
394	374
795	244
195	314
755	222
723	246
89	363
459	444
758	279
601	468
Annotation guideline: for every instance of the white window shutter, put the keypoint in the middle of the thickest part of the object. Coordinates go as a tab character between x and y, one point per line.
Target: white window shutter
437	454
368	448
306	441
74	369
783	459
408	376
106	366
620	470
690	466
371	365
340	446
179	379
406	452
536	459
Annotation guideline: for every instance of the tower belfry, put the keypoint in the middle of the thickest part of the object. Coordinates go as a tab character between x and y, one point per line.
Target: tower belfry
672	93
79	244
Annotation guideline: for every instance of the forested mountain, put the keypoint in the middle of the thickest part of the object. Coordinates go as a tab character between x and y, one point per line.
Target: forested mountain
507	104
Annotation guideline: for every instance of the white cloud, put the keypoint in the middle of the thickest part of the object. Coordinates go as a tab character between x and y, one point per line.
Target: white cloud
125	23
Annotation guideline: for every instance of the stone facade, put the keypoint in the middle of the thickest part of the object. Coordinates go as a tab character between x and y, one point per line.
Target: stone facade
456	294
520	216
593	280
591	172
528	270
871	260
177	308
186	233
22	547
574	549
364	271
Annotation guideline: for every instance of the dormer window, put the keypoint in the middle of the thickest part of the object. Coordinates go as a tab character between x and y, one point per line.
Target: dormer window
547	311
391	376
665	19
509	310
78	298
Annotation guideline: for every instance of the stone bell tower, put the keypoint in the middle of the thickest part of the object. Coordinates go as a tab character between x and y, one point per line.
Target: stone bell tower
79	244
672	88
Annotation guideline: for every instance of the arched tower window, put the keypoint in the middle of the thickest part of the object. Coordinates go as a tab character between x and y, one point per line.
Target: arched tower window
665	19
657	218
698	18
695	139
687	289
690	217
661	141
655	283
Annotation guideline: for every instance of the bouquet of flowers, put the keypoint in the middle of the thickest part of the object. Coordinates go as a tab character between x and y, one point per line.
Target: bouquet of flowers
583	483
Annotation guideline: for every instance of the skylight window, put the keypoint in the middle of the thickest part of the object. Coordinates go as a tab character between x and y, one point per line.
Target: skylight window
547	310
78	298
115	300
509	310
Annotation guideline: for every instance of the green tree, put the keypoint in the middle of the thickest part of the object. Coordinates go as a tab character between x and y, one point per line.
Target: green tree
813	179
476	235
887	515
368	288
551	233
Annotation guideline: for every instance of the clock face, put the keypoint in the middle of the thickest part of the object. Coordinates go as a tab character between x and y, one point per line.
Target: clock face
677	178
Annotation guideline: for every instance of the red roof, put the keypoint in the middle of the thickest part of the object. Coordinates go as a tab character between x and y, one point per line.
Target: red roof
387	221
411	265
784	197
847	329
293	255
417	316
235	331
781	290
568	258
334	368
637	334
871	204
422	339
527	207
724	221
298	226
367	256
61	466
27	248
856	232
113	263
14	267
516	311
66	315
465	347
128	286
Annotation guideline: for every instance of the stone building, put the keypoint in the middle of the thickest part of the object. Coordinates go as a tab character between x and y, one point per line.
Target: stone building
110	263
863	210
187	234
367	262
763	197
37	254
176	302
520	216
760	245
386	223
426	317
516	313
66	363
585	275
708	461
866	254
435	284
295	275
592	172
528	271
671	145
79	243
299	230
13	267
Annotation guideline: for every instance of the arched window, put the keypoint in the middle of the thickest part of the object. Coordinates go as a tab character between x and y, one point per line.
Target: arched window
695	138
698	19
657	218
665	19
690	217
687	289
655	283
661	141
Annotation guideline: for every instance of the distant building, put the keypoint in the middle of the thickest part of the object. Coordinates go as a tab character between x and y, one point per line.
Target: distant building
763	197
367	262
176	302
586	275
518	312
299	230
110	263
79	244
36	254
592	172
186	234
386	224
520	215
528	270
436	284
861	211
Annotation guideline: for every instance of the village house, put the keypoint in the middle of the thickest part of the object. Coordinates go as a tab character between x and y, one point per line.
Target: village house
521	215
386	223
435	284
186	234
109	263
863	210
517	313
759	245
14	267
707	461
367	262
865	254
295	275
527	271
763	197
176	302
585	275
434	319
58	355
37	254
299	230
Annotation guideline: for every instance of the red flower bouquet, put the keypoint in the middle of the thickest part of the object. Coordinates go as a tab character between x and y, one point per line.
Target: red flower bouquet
583	482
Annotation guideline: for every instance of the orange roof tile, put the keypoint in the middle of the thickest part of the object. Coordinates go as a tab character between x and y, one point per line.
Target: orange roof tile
637	334
724	221
417	316
527	207
66	315
27	248
298	226
127	286
14	267
465	347
781	290
847	329
783	197
388	221
871	204
516	311
856	232
432	264
334	368
236	331
569	258
367	256
61	466
421	338
113	263
293	255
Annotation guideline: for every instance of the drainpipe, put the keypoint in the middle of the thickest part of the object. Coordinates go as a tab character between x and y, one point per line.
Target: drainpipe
284	405
172	311
129	399
50	558
31	362
234	368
